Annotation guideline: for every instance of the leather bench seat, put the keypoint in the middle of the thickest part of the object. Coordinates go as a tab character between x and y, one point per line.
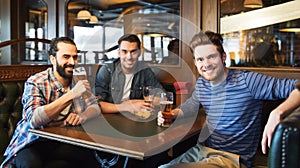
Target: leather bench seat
10	111
285	146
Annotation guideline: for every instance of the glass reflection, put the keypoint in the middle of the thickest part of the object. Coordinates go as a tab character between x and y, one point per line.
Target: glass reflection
255	37
156	24
36	27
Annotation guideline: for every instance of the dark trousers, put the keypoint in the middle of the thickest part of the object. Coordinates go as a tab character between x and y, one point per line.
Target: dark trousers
47	153
44	153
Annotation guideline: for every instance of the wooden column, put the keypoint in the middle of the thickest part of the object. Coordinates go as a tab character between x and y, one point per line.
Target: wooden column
210	15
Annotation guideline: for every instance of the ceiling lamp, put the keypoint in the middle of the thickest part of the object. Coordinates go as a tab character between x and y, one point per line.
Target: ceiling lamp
291	26
83	15
154	34
253	4
93	20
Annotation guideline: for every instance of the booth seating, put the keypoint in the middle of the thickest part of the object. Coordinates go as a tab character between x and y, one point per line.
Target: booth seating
10	111
285	146
12	79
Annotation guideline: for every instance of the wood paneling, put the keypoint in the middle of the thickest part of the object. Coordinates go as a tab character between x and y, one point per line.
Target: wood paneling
19	72
211	15
282	72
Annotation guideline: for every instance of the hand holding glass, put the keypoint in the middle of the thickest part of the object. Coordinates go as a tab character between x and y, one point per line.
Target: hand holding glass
166	105
79	73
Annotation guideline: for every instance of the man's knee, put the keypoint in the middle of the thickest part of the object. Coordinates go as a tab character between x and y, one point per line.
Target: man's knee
27	158
26	162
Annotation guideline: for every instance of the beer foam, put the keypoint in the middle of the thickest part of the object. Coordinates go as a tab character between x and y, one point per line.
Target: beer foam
79	71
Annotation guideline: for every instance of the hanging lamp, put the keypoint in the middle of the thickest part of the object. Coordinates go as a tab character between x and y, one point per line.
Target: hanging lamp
84	14
253	4
291	26
93	20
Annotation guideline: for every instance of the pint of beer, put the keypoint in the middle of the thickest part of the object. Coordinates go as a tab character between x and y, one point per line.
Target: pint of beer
79	73
166	105
148	94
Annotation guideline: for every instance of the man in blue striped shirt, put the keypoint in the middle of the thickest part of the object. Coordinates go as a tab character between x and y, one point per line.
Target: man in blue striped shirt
232	101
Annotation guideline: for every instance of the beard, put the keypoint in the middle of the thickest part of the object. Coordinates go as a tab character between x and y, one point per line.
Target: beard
62	72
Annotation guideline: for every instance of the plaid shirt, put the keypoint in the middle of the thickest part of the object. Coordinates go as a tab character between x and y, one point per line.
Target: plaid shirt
40	89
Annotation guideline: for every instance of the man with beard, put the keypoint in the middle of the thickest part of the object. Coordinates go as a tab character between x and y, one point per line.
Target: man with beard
51	97
232	102
119	85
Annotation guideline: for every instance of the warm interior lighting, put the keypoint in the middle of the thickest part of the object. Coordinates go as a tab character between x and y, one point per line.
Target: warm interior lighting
291	26
290	30
155	34
83	14
93	20
253	4
259	18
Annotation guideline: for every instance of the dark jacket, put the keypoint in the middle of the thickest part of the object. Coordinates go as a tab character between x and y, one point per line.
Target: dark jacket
110	79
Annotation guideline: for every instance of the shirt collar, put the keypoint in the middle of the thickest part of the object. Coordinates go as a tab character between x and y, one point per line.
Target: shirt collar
59	87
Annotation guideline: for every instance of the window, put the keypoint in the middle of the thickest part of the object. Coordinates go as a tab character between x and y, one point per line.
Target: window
255	36
155	23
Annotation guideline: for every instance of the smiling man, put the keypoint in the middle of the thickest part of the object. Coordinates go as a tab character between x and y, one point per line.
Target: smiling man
51	97
232	101
119	85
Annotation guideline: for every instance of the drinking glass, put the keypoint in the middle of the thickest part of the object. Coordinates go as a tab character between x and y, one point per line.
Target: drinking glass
166	105
79	73
148	93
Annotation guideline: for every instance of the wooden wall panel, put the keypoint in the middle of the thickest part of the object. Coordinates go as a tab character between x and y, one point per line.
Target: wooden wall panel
211	15
19	72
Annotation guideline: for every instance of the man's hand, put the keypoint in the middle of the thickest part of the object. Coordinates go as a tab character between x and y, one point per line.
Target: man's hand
133	106
80	88
270	127
162	117
74	119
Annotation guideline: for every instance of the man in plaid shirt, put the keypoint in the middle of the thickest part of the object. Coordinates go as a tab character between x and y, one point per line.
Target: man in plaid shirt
52	96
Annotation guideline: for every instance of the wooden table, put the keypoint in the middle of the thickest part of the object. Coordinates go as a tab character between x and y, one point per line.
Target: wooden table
124	135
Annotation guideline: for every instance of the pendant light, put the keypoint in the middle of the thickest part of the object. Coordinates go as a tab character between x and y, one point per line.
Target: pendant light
93	20
291	26
253	4
84	14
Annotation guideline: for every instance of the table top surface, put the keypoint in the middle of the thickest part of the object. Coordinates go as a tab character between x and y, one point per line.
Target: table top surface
126	135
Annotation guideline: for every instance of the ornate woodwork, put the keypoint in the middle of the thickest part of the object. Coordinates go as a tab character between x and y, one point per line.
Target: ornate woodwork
19	72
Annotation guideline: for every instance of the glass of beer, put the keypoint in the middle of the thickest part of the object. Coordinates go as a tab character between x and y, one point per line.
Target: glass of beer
148	94
166	105
79	73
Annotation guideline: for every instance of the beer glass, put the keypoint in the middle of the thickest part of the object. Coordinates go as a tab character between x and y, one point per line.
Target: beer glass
148	93
79	73
166	105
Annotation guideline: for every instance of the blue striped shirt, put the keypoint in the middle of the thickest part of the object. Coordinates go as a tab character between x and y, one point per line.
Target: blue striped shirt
233	110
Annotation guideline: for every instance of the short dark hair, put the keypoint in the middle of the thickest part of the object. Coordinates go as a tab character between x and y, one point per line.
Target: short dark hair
172	44
130	38
207	37
53	45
